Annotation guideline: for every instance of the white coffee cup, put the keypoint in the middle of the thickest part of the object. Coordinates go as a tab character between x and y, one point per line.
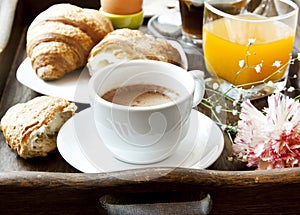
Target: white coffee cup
143	135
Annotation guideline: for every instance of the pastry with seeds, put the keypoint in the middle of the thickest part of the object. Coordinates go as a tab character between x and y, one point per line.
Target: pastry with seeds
31	128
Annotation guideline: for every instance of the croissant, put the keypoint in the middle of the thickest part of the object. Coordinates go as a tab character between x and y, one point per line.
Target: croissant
126	44
60	38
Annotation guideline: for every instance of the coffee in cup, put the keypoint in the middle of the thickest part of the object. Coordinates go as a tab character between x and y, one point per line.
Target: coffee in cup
143	134
140	95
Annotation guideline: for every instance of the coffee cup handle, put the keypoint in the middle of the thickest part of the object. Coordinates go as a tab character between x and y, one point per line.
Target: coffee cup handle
198	76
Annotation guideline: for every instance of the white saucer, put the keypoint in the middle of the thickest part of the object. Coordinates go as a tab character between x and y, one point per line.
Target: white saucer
80	145
73	86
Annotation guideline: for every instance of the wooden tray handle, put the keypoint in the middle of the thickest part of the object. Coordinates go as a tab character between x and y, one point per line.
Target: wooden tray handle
155	203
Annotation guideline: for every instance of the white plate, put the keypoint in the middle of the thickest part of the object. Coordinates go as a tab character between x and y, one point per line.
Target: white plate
74	85
80	145
154	7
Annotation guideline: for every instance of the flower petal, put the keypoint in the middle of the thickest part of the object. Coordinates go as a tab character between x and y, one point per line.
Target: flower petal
271	140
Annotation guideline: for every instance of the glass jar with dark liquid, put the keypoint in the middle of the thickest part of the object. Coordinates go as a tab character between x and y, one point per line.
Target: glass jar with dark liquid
192	15
192	19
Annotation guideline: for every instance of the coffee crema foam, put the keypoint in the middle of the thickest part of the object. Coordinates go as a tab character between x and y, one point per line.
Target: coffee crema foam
140	95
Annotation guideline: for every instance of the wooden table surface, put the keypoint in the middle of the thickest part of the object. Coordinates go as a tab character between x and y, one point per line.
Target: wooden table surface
50	185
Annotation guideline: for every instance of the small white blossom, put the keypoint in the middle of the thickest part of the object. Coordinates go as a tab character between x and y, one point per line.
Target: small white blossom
291	89
223	127
258	68
277	64
234	112
215	86
241	91
295	76
270	84
298	56
218	108
235	102
241	63
251	41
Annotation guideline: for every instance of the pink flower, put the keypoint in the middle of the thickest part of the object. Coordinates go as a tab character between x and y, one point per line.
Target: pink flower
269	139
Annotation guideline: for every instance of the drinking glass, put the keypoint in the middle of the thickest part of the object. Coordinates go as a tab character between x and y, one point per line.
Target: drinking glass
191	12
247	55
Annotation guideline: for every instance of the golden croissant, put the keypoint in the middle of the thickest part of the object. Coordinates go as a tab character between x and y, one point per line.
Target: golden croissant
60	38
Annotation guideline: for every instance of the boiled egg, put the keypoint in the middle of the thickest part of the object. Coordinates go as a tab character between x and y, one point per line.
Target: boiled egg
121	7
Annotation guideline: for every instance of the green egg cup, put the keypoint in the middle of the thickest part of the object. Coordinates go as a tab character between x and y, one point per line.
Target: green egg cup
132	21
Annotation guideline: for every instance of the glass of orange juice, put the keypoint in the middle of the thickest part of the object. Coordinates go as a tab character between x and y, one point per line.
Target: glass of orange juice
247	55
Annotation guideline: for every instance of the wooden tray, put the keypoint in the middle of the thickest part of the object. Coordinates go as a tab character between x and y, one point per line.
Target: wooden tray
51	186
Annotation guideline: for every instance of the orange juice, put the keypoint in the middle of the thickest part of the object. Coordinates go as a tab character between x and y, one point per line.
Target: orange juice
225	44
